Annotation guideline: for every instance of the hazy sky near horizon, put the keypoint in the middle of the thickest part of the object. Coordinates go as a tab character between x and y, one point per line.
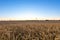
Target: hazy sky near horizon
29	8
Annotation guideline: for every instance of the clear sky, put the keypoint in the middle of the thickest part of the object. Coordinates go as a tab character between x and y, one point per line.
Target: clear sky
29	8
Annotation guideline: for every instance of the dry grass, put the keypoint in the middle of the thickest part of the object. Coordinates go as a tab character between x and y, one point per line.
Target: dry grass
30	30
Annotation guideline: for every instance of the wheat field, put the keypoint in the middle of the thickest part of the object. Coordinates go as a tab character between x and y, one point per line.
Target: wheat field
30	30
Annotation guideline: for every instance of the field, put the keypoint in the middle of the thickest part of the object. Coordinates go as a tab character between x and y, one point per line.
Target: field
30	30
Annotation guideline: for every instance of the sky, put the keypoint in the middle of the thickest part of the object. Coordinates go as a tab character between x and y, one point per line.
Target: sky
29	9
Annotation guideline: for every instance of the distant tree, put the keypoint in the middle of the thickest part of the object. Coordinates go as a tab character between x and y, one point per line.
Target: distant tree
46	20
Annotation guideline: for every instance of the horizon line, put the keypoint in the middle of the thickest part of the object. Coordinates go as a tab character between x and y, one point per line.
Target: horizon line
11	19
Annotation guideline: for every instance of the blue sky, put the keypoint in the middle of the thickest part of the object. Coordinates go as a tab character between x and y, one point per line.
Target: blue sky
29	8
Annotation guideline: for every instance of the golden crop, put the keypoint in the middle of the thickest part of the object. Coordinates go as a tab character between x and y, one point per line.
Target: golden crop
30	30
